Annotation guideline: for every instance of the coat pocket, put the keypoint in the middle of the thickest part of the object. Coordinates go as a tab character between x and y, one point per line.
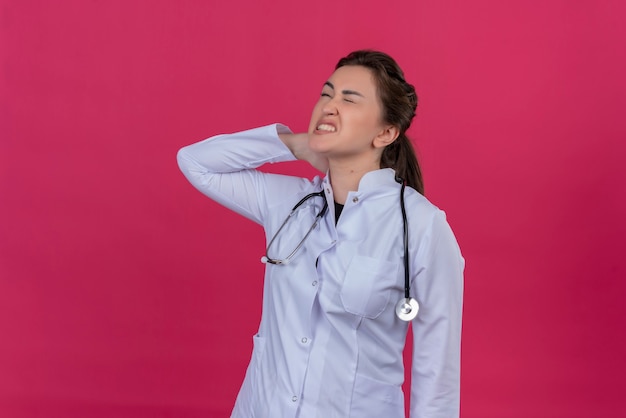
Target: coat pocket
373	398
367	285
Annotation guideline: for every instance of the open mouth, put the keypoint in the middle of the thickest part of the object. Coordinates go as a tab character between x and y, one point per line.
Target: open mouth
326	127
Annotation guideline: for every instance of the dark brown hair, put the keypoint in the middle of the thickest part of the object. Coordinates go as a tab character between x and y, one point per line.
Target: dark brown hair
399	101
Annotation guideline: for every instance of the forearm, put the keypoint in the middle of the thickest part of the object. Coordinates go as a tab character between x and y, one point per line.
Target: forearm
234	152
222	168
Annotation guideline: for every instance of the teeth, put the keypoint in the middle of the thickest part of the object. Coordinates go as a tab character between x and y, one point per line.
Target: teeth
325	127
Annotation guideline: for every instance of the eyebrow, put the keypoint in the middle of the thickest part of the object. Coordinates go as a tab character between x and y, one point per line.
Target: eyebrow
356	93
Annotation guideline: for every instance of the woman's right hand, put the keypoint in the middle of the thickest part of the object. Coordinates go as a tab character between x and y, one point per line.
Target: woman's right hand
298	144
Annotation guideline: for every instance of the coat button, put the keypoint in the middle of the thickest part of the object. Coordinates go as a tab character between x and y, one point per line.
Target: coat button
355	199
294	399
304	340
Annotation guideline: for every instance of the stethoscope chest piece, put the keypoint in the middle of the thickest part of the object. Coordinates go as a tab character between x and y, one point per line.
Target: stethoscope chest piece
407	308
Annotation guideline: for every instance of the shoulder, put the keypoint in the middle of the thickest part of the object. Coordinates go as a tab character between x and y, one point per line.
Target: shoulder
418	205
427	222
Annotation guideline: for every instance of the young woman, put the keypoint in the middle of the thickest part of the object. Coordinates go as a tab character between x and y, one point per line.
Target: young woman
351	257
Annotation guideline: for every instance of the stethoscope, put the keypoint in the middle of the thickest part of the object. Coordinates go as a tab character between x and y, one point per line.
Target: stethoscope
407	307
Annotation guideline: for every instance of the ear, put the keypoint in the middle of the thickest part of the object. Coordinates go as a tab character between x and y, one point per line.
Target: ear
386	136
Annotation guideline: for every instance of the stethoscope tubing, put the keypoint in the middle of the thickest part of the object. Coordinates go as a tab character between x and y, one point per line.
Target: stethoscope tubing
405	227
266	258
407	307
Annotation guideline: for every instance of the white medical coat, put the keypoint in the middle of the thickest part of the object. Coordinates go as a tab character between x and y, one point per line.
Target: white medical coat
329	343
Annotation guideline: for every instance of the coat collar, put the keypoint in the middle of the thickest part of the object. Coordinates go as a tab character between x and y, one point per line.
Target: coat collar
373	180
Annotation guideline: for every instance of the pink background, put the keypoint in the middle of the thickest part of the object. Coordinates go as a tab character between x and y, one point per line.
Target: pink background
119	283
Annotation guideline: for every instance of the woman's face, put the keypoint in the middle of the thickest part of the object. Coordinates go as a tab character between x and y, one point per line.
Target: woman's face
347	116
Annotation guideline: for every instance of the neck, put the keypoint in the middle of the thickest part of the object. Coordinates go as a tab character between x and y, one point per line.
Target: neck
345	178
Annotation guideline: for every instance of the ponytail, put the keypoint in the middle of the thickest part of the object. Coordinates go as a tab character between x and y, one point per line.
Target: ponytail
400	156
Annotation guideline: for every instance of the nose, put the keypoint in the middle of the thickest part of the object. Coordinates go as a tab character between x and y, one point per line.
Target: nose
329	107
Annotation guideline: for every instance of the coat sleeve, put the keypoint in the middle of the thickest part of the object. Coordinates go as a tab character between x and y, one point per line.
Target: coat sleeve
438	288
223	168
